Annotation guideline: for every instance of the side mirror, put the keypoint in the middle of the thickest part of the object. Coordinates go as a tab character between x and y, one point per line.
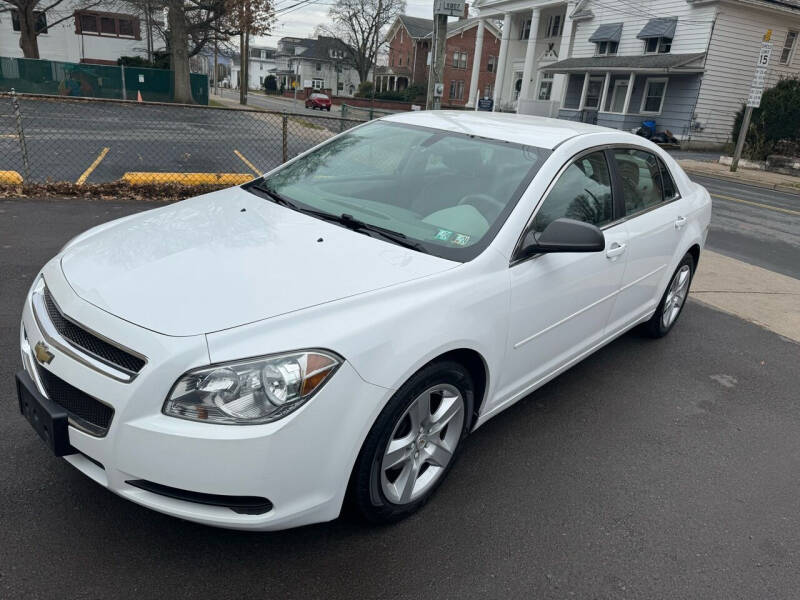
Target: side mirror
564	235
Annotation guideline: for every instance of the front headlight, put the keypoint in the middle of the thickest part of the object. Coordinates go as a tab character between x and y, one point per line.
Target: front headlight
252	391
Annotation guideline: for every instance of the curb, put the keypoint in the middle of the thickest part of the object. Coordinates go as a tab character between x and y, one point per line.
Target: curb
145	178
10	178
787	189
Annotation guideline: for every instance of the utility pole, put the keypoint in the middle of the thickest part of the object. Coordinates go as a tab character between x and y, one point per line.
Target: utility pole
441	10
754	98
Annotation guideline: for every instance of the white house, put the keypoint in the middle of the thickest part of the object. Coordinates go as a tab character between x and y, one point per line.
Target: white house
261	64
99	35
324	63
687	64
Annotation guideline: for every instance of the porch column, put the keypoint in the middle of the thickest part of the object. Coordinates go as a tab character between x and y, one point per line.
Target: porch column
560	81
629	93
501	60
477	59
584	90
606	83
530	56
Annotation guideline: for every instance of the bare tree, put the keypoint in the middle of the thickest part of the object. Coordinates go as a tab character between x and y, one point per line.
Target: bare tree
28	12
243	19
358	24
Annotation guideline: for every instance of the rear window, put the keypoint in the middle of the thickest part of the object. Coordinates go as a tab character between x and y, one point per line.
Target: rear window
319	96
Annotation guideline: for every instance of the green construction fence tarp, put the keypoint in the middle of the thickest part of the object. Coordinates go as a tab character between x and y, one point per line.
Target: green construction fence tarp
36	76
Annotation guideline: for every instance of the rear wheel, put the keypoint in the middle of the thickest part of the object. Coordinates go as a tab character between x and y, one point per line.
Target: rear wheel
671	305
413	443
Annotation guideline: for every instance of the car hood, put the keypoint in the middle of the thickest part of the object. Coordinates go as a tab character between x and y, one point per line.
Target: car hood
229	258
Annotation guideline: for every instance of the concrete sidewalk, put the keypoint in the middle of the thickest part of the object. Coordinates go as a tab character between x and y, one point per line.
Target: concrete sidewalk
765	179
763	297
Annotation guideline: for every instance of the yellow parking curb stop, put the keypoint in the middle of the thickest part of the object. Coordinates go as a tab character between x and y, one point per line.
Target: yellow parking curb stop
145	178
10	177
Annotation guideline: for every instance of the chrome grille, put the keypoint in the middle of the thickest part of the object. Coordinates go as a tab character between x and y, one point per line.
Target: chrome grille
89	342
85	411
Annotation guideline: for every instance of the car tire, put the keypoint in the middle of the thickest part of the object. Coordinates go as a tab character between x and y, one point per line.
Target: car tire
425	449
329	109
673	300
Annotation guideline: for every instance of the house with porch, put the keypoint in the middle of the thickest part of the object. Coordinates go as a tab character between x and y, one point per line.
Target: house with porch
410	40
324	63
685	64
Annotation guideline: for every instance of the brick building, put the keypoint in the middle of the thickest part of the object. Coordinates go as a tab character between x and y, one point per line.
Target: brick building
410	40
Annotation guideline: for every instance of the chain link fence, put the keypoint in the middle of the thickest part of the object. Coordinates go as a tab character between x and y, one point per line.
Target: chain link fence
45	139
363	113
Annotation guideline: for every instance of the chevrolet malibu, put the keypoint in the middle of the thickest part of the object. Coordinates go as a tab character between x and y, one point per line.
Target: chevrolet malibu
332	331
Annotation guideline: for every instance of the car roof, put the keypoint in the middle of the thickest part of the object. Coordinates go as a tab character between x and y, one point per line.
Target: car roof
541	132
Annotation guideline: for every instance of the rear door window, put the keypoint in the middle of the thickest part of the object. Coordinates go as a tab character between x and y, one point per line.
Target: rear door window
640	175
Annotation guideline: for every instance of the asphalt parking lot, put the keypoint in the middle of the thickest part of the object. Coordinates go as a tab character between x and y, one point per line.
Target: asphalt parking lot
65	138
663	469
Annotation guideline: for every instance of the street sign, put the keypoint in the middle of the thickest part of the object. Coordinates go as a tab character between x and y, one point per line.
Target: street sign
754	97
486	104
763	57
760	75
451	8
438	90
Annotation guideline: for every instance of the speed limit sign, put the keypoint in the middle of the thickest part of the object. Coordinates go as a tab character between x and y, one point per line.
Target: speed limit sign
763	57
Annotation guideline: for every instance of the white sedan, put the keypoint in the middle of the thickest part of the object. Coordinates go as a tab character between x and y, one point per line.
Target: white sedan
332	331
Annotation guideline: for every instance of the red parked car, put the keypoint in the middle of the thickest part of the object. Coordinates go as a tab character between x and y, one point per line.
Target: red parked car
320	101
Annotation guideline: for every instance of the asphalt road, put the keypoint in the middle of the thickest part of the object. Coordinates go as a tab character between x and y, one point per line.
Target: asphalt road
654	469
64	139
758	226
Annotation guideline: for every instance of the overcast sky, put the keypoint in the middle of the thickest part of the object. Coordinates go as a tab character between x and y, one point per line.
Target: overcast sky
301	21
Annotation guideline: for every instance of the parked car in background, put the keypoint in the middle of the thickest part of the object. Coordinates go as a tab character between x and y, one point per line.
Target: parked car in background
333	330
320	101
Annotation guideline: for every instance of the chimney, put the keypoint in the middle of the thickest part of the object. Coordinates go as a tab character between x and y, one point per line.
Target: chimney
466	12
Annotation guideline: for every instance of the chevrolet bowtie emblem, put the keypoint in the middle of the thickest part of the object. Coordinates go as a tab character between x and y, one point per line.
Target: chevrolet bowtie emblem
43	354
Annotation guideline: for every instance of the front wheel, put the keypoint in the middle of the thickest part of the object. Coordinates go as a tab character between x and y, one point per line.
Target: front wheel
413	443
671	305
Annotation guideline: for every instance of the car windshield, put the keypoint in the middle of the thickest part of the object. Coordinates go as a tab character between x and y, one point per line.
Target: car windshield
440	192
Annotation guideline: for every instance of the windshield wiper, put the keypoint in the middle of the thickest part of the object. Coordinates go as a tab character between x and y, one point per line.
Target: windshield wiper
393	236
346	220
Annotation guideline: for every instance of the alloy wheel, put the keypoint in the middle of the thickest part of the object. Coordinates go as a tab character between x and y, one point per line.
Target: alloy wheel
422	444
676	296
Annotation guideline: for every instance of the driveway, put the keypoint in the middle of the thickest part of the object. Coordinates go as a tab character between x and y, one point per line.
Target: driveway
654	469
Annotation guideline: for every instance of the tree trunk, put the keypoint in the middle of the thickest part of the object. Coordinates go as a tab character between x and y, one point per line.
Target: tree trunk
27	32
179	53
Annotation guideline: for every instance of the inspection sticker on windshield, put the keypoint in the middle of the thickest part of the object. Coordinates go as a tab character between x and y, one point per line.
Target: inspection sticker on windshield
461	239
444	235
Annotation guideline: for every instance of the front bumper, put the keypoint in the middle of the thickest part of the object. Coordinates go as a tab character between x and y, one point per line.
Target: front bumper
301	463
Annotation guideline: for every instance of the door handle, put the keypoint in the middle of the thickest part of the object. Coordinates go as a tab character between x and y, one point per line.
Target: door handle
615	249
680	222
